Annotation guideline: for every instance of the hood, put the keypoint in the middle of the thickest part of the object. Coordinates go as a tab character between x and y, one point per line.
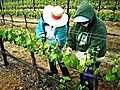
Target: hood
85	9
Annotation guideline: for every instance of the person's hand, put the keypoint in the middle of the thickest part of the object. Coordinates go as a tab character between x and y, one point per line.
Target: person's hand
67	50
79	54
62	50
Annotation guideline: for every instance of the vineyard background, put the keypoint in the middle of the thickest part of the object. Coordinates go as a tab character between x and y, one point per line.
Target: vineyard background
25	13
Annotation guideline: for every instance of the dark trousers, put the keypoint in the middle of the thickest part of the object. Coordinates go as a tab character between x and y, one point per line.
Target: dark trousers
63	68
86	76
92	82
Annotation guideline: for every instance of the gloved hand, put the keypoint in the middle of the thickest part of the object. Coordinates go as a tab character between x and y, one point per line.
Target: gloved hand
62	50
79	54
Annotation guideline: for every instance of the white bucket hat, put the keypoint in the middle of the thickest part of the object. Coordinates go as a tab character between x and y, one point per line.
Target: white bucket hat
55	16
80	19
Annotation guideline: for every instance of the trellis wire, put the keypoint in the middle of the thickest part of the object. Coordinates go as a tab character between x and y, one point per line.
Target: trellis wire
3	18
76	32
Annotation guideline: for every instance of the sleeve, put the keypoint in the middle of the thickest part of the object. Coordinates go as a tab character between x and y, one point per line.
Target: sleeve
39	30
61	35
98	42
71	38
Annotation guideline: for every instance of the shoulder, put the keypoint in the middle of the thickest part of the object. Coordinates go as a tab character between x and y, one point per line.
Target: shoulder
100	24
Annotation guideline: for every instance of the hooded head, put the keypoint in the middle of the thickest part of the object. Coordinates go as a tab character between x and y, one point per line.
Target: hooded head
85	12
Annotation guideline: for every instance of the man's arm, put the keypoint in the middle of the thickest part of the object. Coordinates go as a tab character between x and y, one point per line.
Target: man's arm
39	30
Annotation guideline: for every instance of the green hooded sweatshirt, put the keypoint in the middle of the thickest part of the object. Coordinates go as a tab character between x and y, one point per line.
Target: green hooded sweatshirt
91	37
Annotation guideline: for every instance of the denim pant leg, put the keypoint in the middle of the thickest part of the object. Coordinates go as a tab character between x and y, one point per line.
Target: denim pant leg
88	73
88	76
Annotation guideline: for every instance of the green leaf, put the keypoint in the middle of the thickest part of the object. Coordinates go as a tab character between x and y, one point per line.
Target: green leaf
97	71
119	84
89	62
74	61
4	35
111	63
18	41
110	77
114	70
28	42
82	62
47	56
66	61
98	60
53	55
9	37
80	68
91	68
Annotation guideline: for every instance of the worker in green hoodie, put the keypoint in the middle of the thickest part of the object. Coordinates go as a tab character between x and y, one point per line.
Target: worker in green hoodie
87	34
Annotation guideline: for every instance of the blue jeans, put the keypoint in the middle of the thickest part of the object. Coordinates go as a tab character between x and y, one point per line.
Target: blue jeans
88	73
88	76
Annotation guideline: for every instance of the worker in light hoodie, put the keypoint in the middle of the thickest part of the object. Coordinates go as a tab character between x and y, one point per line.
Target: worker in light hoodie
52	27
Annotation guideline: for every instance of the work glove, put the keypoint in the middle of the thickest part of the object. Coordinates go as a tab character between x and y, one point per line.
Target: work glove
79	54
62	50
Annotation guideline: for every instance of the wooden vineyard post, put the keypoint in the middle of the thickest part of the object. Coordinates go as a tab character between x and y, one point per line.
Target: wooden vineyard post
18	2
99	5
33	59
35	65
68	2
34	4
3	18
1	6
23	2
11	18
25	21
3	50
